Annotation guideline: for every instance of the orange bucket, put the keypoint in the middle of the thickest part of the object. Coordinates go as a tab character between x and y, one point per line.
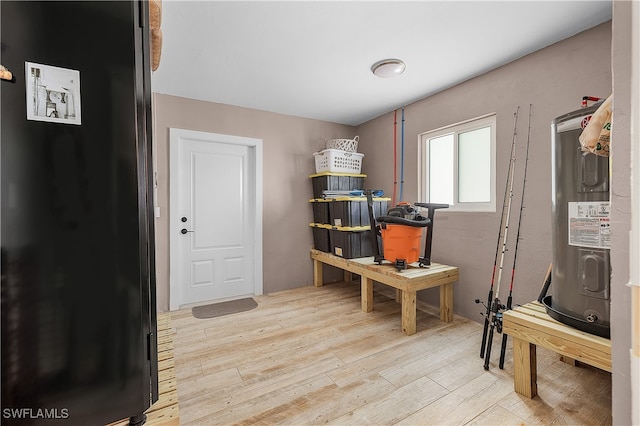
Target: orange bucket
400	242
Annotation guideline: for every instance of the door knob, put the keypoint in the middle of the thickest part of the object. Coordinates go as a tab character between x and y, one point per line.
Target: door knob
184	231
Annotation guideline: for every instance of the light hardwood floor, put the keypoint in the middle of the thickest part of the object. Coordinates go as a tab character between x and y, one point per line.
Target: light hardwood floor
164	412
311	356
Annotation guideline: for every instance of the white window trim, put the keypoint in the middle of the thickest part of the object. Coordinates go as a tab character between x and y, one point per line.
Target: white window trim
423	159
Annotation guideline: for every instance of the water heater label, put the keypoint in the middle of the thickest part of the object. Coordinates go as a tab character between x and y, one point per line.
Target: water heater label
589	224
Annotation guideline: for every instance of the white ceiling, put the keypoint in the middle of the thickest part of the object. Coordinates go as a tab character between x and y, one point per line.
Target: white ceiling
313	58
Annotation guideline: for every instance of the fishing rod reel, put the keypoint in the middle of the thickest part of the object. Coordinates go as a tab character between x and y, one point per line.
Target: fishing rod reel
494	323
488	307
497	317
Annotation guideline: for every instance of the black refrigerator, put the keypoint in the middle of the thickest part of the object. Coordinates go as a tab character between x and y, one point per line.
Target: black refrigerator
78	308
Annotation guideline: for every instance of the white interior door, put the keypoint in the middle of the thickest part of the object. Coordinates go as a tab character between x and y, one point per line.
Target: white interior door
214	218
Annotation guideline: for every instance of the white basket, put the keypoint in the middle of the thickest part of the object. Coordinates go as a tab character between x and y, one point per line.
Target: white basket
350	145
338	161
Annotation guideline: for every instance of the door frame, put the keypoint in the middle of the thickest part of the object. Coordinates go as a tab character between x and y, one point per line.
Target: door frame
255	158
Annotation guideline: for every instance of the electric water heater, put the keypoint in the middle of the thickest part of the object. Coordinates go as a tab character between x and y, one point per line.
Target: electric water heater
580	235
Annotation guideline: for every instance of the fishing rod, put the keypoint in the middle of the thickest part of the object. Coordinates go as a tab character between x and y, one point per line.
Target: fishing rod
503	347
496	306
395	151
402	158
487	314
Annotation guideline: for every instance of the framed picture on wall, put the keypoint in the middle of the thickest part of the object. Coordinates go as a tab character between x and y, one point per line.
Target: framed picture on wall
53	94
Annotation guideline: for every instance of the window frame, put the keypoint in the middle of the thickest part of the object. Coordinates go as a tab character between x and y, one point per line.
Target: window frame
487	120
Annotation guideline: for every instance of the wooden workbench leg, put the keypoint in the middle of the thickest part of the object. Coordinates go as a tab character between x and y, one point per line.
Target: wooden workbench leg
446	302
408	312
525	375
366	290
398	295
572	362
317	273
347	276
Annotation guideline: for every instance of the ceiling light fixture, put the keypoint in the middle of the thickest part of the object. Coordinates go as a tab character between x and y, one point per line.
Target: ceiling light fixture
388	68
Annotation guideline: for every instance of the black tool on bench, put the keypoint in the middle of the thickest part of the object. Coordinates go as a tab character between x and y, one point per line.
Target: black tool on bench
426	259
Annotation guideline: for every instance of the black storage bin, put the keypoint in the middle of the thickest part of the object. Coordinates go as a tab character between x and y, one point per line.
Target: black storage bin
321	210
335	182
321	240
351	243
354	211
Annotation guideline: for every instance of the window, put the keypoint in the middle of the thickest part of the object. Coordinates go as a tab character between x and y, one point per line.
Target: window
457	165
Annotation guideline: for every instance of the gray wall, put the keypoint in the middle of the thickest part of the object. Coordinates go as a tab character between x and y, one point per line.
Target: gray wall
288	144
621	213
553	80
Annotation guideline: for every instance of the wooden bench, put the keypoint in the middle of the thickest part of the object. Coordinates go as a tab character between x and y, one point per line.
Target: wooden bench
530	326
407	282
